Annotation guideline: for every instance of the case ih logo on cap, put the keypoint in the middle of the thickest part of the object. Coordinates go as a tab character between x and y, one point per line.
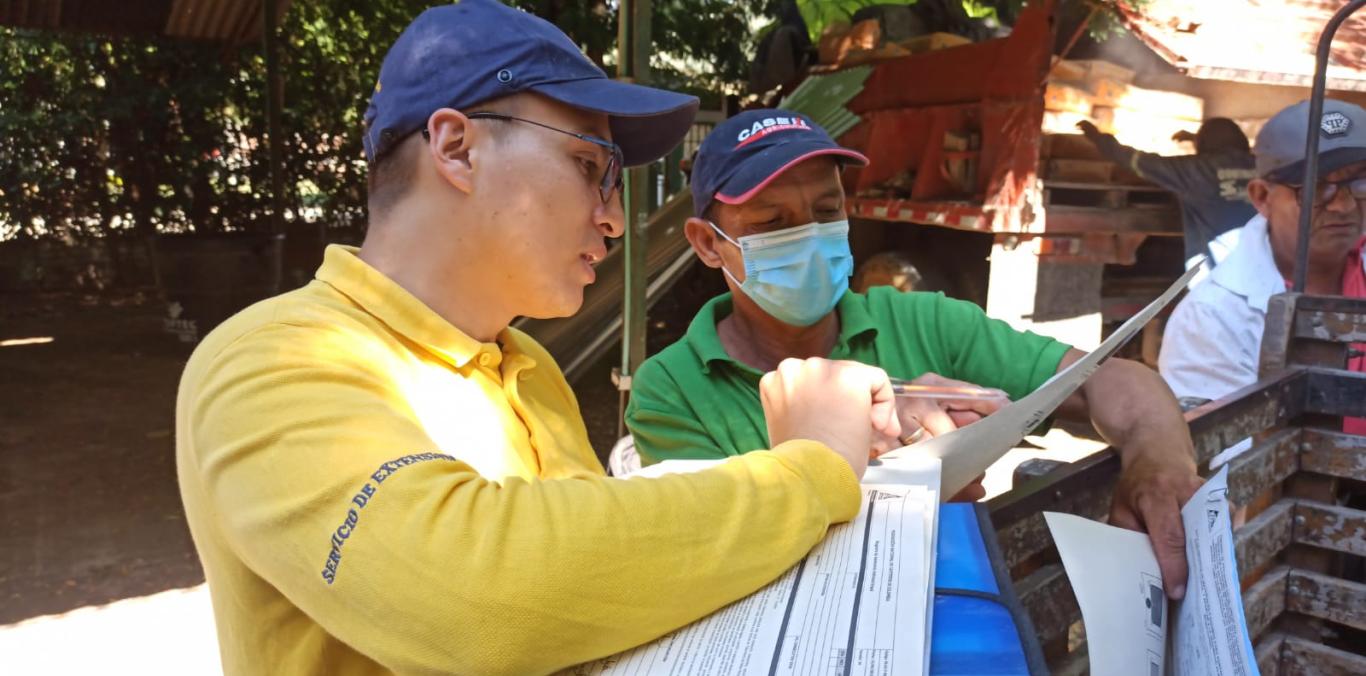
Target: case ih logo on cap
769	125
1335	124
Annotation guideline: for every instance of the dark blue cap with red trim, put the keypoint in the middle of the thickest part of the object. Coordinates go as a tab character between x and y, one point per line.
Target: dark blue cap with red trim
745	153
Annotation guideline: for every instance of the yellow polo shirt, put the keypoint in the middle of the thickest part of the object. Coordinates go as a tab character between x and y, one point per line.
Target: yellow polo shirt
372	491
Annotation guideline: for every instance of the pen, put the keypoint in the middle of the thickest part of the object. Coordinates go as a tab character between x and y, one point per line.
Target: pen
904	388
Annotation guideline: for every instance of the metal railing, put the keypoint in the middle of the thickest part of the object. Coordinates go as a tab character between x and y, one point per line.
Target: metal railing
1311	143
666	174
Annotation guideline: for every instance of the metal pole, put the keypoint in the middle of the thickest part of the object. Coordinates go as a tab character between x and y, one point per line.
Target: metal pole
1311	144
274	94
633	64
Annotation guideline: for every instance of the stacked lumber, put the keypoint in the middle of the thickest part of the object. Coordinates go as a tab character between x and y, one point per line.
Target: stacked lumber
1075	175
1104	94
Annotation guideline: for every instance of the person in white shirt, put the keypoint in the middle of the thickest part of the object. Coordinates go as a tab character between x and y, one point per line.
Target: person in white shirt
1213	340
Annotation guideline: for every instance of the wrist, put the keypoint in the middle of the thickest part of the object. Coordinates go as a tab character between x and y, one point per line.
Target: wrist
1170	450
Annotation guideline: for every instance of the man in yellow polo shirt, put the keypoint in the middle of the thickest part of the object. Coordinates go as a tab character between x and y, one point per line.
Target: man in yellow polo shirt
380	476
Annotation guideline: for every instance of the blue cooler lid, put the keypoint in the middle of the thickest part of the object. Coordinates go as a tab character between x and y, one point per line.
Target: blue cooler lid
977	628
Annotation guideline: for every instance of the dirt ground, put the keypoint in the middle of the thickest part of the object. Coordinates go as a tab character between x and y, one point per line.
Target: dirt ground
89	508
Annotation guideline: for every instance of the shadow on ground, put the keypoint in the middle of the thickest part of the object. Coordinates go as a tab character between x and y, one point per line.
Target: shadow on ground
89	509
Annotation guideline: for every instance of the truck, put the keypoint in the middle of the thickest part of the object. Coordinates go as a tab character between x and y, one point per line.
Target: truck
1299	550
969	180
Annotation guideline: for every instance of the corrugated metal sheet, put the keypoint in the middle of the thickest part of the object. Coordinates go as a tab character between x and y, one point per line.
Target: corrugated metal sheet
231	21
1262	41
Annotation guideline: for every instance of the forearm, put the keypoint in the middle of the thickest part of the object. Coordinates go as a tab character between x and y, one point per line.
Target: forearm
1133	410
661	436
534	576
1111	149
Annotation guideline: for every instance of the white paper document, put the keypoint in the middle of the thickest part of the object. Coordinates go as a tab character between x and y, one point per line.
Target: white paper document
968	451
1210	633
1129	629
859	603
1118	585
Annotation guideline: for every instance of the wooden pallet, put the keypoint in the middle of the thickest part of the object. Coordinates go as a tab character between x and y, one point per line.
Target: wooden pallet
1106	195
1071	146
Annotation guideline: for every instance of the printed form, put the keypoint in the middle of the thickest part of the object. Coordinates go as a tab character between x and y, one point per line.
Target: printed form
858	604
1119	588
1210	635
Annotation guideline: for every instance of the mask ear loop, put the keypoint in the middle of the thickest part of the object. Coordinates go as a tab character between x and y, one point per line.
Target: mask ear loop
737	245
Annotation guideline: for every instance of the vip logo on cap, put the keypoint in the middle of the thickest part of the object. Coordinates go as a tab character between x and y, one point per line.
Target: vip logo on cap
1335	124
769	125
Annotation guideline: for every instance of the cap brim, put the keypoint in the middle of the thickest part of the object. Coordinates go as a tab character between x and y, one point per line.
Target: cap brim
1329	162
646	122
771	163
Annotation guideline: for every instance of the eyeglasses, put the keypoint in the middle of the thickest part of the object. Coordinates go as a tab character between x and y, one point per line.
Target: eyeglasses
611	174
1327	190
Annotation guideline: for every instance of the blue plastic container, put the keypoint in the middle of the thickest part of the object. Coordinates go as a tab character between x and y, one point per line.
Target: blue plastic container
979	627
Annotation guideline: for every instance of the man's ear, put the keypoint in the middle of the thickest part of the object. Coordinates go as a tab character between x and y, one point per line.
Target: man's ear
451	147
703	240
1259	193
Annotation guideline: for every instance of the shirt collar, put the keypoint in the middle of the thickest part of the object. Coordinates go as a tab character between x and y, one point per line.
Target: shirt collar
1250	271
402	312
706	342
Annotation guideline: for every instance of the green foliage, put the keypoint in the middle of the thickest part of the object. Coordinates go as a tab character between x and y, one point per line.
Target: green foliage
1106	22
105	135
102	135
93	137
331	54
704	47
820	13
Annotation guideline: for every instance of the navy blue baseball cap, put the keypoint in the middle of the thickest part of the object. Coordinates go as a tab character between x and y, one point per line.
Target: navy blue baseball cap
745	153
460	55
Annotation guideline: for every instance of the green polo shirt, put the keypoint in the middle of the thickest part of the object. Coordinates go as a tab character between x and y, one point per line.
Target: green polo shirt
692	400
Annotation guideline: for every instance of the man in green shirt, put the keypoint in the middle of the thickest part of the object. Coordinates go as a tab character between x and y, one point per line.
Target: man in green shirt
770	214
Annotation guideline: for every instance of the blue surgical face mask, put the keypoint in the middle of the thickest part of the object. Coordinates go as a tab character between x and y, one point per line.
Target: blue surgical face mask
797	275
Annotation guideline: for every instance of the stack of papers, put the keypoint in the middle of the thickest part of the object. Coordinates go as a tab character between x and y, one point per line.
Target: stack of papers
1129	626
859	603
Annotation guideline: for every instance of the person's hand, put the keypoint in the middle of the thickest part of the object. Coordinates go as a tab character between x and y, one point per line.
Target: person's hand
841	404
1151	490
1183	136
941	416
1090	130
923	418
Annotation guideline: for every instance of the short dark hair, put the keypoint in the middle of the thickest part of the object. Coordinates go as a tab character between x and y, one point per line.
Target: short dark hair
1220	135
709	214
392	173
